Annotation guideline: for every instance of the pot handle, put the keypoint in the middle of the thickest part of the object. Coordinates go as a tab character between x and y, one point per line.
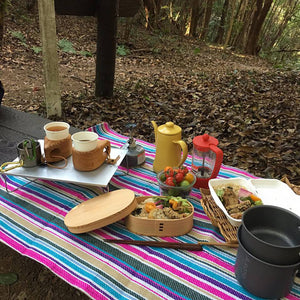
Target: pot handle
184	149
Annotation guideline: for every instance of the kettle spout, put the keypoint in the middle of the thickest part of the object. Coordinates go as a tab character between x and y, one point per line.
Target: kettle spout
155	128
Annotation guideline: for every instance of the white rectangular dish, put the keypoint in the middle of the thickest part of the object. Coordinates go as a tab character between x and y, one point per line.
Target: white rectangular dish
271	191
276	192
99	177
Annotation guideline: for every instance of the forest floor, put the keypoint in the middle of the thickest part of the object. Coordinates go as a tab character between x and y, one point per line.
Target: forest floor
252	108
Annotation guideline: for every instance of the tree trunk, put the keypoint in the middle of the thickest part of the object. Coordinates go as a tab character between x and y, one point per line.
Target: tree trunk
244	18
290	10
221	29
152	10
271	17
230	25
2	13
194	17
208	10
50	57
257	21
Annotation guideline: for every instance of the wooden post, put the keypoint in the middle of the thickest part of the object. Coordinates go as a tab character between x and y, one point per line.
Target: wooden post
106	47
50	58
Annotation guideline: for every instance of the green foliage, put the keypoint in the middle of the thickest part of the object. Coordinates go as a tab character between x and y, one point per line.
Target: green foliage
202	75
197	51
36	49
156	50
285	52
86	53
8	278
284	61
122	50
66	46
5	5
19	35
214	20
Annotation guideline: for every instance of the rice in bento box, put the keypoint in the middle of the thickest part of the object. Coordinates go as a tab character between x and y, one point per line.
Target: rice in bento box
163	208
161	216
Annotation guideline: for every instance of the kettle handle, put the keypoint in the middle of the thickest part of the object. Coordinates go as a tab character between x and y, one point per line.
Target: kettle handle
219	159
184	148
155	129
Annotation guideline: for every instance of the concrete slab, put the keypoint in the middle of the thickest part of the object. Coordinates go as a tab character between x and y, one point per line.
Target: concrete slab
16	126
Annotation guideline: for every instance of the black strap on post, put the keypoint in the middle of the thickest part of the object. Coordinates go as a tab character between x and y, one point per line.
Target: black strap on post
1	92
106	13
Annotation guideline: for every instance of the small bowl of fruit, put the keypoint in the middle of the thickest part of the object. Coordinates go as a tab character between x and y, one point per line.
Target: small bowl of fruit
175	181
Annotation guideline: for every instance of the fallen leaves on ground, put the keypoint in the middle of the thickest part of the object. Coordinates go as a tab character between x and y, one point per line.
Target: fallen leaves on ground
250	107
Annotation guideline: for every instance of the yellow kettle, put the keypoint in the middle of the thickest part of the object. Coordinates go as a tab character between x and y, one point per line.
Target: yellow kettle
168	146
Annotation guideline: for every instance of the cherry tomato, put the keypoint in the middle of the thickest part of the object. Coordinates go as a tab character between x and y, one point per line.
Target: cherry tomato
189	177
177	170
169	172
184	169
170	181
179	177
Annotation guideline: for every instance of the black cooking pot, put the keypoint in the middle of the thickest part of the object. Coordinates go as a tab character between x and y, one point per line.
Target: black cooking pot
272	234
261	278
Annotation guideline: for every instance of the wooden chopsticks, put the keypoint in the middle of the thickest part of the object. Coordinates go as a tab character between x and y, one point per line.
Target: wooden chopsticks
231	245
182	246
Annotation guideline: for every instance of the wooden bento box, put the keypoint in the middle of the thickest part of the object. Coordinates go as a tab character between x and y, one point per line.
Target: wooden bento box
118	205
159	227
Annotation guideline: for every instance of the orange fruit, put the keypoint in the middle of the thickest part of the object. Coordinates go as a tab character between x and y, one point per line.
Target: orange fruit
189	177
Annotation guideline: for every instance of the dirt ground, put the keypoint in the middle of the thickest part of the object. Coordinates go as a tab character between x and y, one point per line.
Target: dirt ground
251	108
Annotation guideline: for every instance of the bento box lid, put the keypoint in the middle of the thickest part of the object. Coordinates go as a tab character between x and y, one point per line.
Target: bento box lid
100	211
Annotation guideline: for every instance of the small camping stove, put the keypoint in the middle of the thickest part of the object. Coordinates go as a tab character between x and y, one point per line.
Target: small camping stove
136	153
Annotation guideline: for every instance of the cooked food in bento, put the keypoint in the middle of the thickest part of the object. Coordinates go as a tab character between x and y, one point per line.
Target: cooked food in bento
236	199
163	208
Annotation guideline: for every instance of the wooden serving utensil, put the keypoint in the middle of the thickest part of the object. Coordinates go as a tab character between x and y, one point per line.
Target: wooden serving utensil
182	246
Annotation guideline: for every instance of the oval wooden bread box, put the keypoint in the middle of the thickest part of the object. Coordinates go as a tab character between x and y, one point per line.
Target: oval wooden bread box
114	206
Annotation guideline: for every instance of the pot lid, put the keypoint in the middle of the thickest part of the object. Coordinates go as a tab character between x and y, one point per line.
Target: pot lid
169	129
100	211
203	142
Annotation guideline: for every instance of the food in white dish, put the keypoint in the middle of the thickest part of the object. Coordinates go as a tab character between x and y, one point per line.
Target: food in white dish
236	199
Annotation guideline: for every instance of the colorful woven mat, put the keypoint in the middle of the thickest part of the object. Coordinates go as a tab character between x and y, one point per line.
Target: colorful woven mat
32	223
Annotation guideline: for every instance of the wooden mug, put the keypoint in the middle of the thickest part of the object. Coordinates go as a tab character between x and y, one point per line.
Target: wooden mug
91	160
57	142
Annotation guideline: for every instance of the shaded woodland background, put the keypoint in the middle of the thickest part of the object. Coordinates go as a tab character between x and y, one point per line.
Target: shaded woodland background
250	26
184	61
265	27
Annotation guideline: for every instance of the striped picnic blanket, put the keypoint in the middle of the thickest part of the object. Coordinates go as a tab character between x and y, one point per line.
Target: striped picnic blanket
32	223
